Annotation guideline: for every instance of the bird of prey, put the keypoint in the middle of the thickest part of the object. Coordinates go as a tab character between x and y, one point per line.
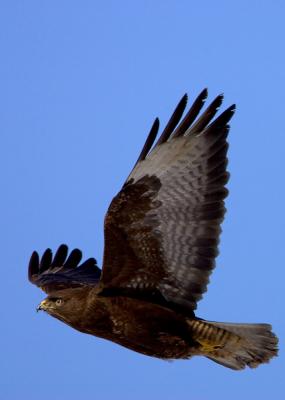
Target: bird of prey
161	239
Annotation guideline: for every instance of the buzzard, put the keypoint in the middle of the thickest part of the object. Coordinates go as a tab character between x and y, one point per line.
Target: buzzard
161	240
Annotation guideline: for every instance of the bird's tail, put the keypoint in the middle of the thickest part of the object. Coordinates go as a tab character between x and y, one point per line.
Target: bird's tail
235	345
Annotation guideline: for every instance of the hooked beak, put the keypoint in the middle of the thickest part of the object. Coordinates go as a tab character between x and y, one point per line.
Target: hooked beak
42	306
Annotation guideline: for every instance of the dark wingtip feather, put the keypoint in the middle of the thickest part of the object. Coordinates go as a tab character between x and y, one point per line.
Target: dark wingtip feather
223	118
204	93
217	102
149	141
60	256
33	265
45	260
208	114
74	259
191	114
155	125
174	120
63	248
90	262
202	97
232	108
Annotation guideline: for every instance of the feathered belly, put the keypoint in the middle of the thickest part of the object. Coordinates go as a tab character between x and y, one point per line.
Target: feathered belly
142	327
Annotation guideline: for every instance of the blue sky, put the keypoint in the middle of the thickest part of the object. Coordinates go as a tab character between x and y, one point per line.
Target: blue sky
81	83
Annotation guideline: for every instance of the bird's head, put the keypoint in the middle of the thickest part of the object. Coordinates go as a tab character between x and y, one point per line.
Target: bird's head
51	304
65	305
56	306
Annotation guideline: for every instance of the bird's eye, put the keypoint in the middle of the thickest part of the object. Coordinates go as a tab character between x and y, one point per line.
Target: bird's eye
59	302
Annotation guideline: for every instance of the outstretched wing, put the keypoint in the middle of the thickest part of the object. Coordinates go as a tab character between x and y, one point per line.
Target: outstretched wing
162	229
62	272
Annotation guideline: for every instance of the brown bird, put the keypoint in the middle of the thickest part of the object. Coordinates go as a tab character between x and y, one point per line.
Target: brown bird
161	240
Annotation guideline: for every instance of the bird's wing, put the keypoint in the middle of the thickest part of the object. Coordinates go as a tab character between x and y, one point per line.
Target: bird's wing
62	272
162	229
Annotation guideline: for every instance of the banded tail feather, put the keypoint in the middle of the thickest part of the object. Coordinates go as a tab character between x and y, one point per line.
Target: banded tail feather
235	345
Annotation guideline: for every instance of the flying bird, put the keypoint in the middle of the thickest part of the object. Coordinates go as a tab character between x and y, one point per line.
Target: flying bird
161	239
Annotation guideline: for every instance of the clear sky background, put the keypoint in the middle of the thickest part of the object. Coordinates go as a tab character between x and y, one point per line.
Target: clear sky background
81	82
